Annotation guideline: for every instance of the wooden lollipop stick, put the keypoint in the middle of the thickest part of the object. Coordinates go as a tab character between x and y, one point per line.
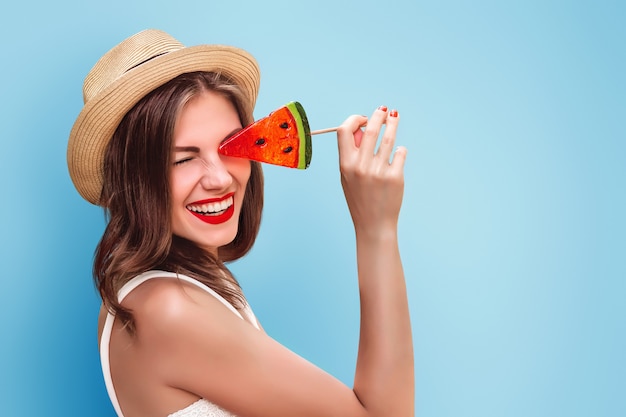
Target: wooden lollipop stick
327	130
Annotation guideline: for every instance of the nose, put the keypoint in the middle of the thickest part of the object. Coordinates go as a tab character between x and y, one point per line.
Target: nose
215	174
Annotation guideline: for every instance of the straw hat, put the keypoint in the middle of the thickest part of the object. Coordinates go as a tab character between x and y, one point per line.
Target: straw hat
126	74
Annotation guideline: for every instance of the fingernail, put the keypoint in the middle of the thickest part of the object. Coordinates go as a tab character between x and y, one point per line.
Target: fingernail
393	113
383	108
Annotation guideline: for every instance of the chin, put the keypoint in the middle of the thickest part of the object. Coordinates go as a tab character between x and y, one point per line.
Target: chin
208	236
218	239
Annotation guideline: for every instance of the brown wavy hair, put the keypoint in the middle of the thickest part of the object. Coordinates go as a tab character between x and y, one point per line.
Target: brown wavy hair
136	196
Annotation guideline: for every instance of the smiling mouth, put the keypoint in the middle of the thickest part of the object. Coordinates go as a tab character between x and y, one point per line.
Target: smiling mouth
214	211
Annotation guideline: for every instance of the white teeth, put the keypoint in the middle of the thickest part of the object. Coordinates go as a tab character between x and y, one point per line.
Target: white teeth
211	208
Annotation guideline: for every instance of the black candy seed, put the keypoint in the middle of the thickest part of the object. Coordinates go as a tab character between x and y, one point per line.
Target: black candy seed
288	149
284	125
260	141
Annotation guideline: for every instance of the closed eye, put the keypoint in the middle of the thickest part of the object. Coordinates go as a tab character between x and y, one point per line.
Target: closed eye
183	161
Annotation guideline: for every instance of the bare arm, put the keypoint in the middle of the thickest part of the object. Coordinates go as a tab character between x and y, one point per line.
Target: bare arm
384	381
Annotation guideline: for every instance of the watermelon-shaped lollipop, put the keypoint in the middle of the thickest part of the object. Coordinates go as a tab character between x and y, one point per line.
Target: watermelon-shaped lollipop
281	138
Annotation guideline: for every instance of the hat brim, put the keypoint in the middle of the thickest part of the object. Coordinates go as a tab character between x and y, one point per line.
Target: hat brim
96	123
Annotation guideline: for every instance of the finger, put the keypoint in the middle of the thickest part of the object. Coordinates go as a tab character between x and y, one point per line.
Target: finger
374	125
389	136
349	133
399	158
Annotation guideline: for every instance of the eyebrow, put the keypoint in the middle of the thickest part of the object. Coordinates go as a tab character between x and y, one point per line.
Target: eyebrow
197	149
187	149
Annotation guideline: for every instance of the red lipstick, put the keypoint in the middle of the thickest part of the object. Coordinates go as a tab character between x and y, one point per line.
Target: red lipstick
216	219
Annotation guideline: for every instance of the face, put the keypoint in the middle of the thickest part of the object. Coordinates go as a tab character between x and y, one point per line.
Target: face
206	188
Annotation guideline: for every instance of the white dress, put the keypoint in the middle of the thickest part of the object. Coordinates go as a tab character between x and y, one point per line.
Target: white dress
200	408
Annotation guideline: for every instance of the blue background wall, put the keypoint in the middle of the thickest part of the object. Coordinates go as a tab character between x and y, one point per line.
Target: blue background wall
512	231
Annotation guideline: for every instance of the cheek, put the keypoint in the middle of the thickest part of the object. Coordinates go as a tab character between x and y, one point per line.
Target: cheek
240	170
181	182
248	168
179	187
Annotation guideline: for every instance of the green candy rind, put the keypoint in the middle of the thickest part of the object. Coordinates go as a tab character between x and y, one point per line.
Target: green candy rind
306	151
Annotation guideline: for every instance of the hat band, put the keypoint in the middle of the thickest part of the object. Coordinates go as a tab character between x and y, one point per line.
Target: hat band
146	60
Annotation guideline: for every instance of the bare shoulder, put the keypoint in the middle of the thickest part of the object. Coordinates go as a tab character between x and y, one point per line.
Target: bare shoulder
156	302
180	325
168	306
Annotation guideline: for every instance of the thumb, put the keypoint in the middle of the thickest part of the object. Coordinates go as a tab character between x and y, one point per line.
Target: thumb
349	133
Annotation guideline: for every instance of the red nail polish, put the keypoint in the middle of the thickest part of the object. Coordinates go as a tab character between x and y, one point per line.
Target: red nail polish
383	108
393	113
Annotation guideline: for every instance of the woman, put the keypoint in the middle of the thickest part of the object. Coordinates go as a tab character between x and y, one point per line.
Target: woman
177	336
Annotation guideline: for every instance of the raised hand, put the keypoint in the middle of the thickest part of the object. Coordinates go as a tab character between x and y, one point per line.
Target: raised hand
372	179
